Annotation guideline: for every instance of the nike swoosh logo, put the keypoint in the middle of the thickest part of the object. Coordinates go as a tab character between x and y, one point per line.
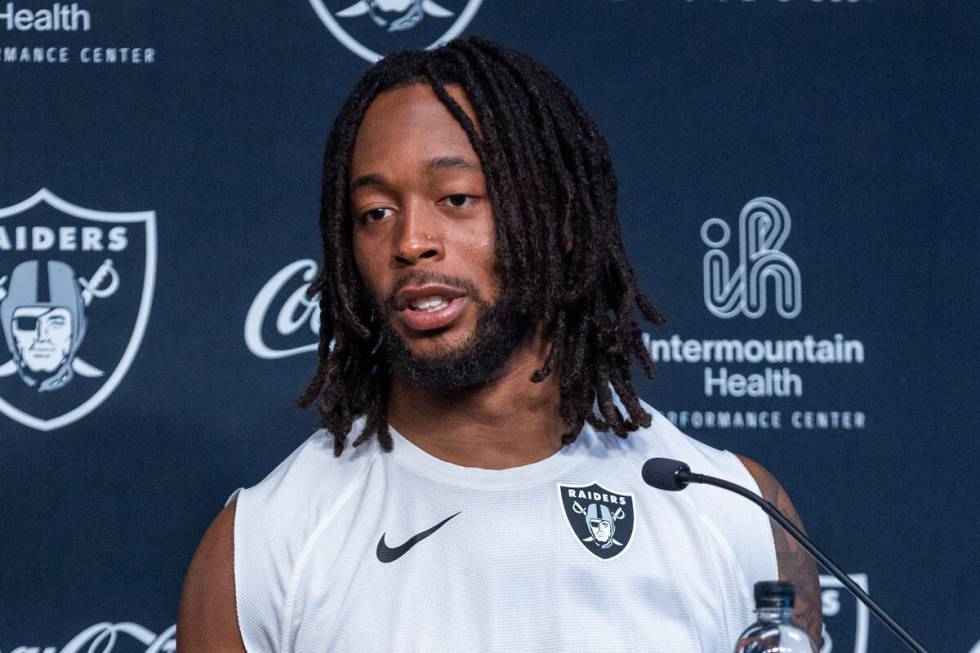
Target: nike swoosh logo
390	554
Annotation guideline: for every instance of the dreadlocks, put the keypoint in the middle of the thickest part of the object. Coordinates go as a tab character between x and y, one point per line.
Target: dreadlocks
553	192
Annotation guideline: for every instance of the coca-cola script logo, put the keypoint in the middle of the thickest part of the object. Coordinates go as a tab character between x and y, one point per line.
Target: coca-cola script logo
104	638
282	321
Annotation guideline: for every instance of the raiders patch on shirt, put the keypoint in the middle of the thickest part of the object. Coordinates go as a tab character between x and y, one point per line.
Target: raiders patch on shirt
602	520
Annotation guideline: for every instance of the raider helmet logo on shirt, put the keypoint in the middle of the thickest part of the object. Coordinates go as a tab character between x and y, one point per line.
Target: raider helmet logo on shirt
602	520
75	293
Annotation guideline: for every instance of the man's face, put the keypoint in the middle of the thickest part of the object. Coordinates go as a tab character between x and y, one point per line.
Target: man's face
424	240
43	336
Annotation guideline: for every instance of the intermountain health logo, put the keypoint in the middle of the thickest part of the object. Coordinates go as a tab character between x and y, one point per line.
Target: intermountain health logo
34	33
763	226
76	287
758	280
373	28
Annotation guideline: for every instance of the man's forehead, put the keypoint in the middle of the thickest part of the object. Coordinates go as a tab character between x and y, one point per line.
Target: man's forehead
411	121
440	163
430	166
420	94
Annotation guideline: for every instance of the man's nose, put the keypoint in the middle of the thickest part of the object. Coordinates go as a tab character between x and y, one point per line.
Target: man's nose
417	237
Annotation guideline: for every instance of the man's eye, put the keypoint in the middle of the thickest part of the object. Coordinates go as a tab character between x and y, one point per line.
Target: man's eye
460	201
375	214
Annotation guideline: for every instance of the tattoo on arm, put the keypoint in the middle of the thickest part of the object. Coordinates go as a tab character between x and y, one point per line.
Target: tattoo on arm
794	562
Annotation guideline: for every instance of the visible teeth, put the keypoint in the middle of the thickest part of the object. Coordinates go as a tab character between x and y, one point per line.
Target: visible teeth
430	304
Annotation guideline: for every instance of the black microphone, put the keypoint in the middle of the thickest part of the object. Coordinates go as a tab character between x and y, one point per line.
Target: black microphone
674	475
666	474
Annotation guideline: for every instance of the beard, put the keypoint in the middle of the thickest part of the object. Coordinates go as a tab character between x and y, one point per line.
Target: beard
499	330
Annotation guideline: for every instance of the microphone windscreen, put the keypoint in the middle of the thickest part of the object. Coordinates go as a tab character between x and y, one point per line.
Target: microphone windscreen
661	473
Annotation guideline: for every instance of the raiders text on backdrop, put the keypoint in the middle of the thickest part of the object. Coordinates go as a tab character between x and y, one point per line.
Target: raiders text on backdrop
65	239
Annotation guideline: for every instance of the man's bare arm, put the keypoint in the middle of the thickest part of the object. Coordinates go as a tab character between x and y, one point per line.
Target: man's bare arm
207	621
794	562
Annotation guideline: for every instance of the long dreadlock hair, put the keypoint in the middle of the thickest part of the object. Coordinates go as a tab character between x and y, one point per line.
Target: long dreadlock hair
552	189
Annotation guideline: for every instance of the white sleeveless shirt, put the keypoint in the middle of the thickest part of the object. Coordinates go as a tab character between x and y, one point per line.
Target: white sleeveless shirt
574	552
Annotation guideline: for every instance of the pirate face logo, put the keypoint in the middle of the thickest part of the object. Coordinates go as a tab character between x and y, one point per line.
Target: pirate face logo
51	315
373	28
602	524
43	337
401	14
601	520
43	322
42	315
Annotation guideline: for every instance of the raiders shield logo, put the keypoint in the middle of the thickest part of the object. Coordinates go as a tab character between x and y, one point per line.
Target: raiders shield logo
845	619
373	28
601	520
75	292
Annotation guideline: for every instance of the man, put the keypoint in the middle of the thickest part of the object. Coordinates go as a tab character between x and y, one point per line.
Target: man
476	342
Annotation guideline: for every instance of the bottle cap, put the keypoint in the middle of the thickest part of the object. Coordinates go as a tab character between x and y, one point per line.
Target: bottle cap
774	594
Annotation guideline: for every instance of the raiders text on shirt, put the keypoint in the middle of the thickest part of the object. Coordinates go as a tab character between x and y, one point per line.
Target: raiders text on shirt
596	496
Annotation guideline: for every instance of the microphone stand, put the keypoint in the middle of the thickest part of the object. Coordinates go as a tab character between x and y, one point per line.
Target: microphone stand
684	476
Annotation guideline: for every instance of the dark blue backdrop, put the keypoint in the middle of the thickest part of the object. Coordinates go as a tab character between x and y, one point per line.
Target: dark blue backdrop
858	117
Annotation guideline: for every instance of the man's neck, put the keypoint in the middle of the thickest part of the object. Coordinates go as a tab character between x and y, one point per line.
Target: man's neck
507	422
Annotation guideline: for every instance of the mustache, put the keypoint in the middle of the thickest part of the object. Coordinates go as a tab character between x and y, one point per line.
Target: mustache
422	277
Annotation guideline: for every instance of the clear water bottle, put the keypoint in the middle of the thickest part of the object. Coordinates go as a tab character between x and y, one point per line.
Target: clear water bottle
775	631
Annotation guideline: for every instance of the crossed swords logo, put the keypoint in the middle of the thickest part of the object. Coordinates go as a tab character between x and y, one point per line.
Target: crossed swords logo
616	516
414	11
103	283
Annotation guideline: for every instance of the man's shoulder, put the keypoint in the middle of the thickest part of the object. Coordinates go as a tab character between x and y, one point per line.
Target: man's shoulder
308	480
662	439
276	519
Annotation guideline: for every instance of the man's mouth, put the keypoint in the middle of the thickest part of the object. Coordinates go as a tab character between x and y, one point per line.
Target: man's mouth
429	304
428	307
